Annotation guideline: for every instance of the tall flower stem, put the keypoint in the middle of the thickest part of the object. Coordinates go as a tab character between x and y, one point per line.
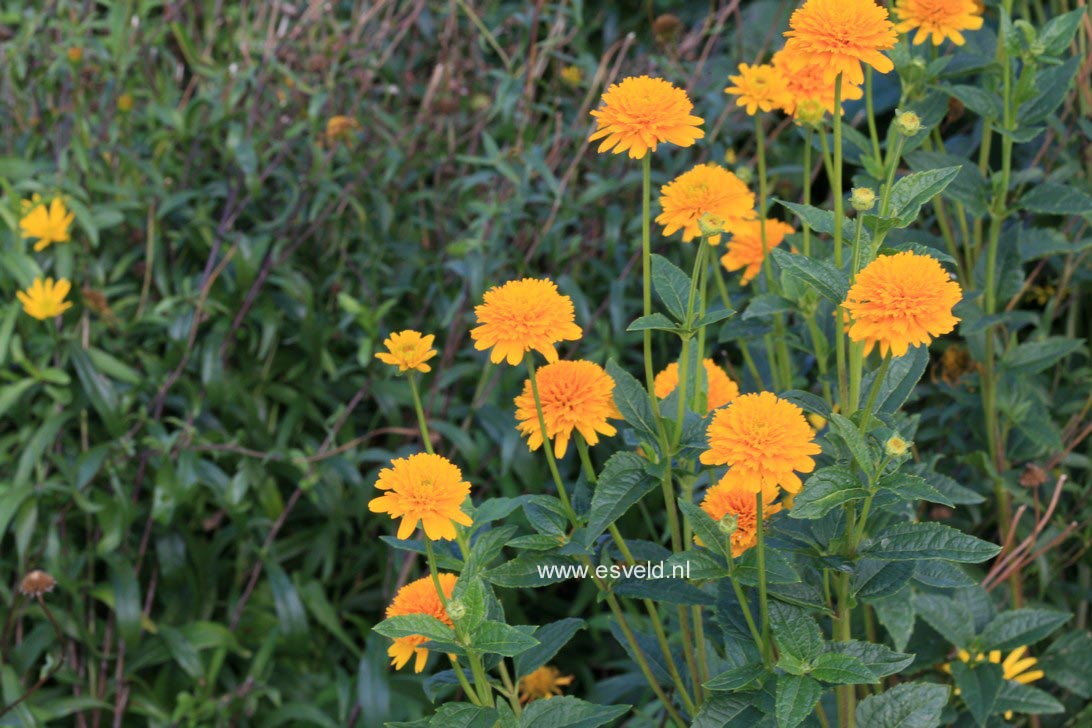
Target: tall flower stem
839	221
763	598
421	421
872	133
646	273
779	365
684	358
745	607
547	445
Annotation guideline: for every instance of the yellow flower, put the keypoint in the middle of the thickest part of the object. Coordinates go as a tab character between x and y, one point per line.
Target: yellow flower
125	103
50	224
764	441
340	127
722	389
745	248
641	112
706	189
740	501
45	299
423	488
1015	667
544	683
808	84
761	86
408	350
901	300
418	597
939	18
575	395
838	36
572	75
522	316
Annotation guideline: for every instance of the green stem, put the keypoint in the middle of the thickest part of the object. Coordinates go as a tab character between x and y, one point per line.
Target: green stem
871	115
873	392
779	364
547	445
421	421
839	220
807	190
513	692
646	271
471	695
748	360
745	607
763	599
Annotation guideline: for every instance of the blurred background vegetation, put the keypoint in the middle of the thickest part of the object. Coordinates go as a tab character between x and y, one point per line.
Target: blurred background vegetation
263	190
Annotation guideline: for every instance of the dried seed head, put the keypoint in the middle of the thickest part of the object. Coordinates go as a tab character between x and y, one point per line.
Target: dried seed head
37	583
1033	476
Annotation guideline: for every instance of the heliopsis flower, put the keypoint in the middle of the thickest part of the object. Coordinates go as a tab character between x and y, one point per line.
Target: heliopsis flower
763	440
521	316
340	127
572	75
740	501
761	86
641	112
901	300
408	350
45	299
423	488
707	189
418	597
838	36
808	84
722	389
1015	667
543	683
939	18
575	395
745	248
49	223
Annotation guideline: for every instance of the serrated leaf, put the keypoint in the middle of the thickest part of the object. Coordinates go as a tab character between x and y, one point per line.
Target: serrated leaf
909	193
1066	662
907	705
533	570
463	715
1055	199
826	489
670	591
705	528
880	659
672	286
407	625
841	669
654	322
623	482
896	614
1035	356
1026	699
947	616
795	632
569	712
902	376
854	440
631	398
551	638
979	687
984	103
911	488
737	677
499	638
1021	627
796	699
912	541
827	280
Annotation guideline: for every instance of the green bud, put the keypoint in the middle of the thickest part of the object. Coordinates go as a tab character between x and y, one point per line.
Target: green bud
862	199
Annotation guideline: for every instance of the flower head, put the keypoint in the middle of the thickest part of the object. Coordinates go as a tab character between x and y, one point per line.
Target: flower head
838	36
722	389
641	112
1015	666
543	683
340	127
740	502
901	300
45	299
706	189
408	350
49	223
745	248
423	488
37	583
521	316
572	75
764	441
418	597
761	86
575	395
809	89
938	18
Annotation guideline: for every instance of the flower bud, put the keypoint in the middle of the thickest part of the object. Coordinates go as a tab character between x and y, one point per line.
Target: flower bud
456	610
728	524
745	174
862	199
896	446
710	224
907	123
37	583
730	156
810	112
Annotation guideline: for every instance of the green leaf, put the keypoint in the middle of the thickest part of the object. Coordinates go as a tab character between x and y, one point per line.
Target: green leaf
979	687
914	190
535	569
671	285
737	677
1035	356
1053	86
896	614
827	280
902	376
569	712
631	398
912	541
713	316
706	529
1021	627
841	669
796	699
947	616
1026	699
464	715
1057	34
907	705
127	605
875	579
912	488
765	305
670	591
728	711
99	390
407	625
826	489
654	322
1066	662
969	186
795	632
623	482
1055	199
880	659
551	638
854	440
498	638
942	575
982	102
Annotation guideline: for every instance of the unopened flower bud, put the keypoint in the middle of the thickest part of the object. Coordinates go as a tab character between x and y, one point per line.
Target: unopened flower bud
730	156
907	123
728	524
710	224
456	610
745	174
810	112
37	583
896	446
862	199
